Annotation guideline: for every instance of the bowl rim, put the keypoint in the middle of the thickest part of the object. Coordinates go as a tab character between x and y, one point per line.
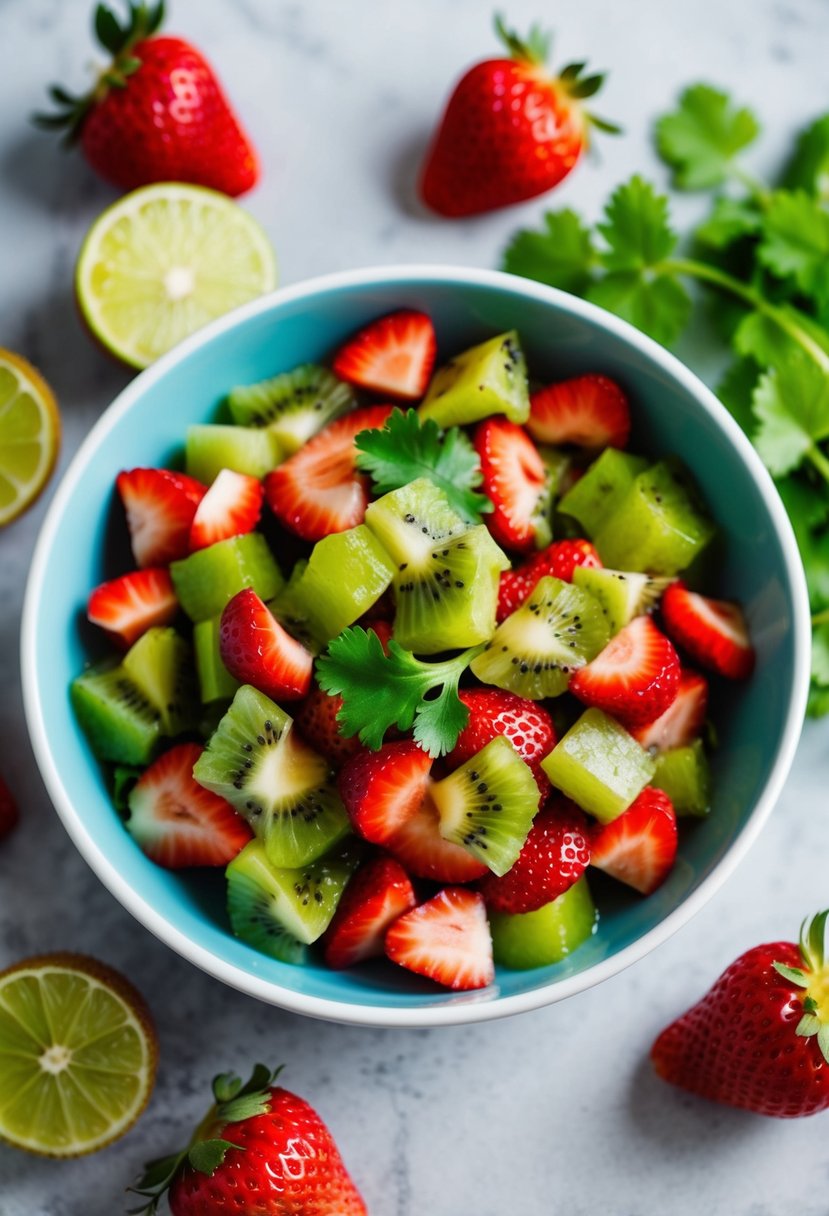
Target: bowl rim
451	1013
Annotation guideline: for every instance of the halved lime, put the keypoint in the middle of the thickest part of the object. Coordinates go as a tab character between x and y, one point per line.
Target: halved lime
162	262
78	1055
29	434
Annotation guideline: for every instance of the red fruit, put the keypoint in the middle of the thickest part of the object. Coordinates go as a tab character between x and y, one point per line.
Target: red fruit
446	939
9	814
317	490
258	651
515	481
316	718
635	677
127	606
559	559
682	721
260	1151
554	856
231	507
160	506
493	712
639	847
378	893
393	356
590	411
420	848
177	822
510	131
759	1039
382	789
157	113
714	632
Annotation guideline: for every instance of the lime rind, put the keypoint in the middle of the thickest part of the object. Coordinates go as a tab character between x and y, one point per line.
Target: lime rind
29	435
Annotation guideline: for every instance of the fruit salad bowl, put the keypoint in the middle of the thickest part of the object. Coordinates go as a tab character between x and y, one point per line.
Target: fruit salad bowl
754	560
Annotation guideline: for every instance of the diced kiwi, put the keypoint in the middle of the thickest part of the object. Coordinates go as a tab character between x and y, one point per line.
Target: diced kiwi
488	804
208	578
292	406
117	718
599	765
122	778
215	681
684	775
282	788
345	575
211	447
289	609
557	463
487	379
596	495
557	629
623	594
660	526
160	663
549	935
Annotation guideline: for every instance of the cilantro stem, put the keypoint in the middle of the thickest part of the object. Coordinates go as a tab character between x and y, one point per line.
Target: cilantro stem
760	194
818	461
820	618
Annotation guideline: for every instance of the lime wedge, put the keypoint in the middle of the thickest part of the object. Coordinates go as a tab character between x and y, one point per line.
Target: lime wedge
164	261
77	1055
29	434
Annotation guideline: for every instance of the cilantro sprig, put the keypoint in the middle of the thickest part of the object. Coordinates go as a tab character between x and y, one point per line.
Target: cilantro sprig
380	690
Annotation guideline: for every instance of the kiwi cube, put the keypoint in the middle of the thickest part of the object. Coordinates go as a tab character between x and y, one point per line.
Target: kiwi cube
523	940
623	594
208	578
160	663
684	775
119	721
346	574
487	379
599	765
211	447
290	610
597	494
215	681
294	405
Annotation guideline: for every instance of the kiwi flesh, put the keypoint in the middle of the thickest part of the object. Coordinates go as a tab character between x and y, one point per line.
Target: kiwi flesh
208	578
596	495
160	663
281	787
211	447
345	575
487	805
289	608
490	378
523	940
293	406
215	681
557	629
622	594
119	721
599	765
683	774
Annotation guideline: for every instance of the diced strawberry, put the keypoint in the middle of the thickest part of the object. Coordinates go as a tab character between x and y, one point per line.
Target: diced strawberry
590	411
129	605
638	848
9	814
160	506
515	481
446	939
559	559
554	856
635	677
382	789
375	897
493	712
419	846
317	490
682	721
257	650
713	632
177	822
393	356
231	507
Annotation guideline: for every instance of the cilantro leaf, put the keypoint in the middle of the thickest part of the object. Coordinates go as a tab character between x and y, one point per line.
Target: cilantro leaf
406	449
636	227
761	338
820	655
791	404
795	241
561	255
808	509
736	389
729	221
808	168
660	306
700	139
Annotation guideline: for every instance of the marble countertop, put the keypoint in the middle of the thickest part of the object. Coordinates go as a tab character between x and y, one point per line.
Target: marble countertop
557	1110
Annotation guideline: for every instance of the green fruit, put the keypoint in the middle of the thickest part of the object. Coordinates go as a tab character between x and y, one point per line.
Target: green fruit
684	775
557	629
215	681
292	406
346	574
117	718
596	496
487	379
208	578
622	594
160	664
212	447
599	765
289	609
523	940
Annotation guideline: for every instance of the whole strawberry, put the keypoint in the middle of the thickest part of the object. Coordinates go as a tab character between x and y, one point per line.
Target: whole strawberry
510	130
260	1151
156	113
760	1038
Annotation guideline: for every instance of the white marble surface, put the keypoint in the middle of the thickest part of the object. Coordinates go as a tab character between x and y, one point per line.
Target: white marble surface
558	1110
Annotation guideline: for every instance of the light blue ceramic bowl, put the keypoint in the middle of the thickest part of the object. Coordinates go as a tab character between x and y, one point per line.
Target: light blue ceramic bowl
758	722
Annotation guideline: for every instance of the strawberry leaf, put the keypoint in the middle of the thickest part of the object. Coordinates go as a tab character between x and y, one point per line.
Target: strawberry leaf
561	255
700	139
108	30
206	1156
793	974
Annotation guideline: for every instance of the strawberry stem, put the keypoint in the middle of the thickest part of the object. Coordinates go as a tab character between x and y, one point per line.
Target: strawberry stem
535	48
813	980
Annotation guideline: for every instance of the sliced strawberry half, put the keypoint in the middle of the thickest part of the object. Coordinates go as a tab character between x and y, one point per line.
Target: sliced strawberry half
318	490
393	356
258	651
129	605
682	721
316	719
493	712
516	483
382	789
177	822
590	411
421	849
375	897
446	939
713	632
554	856
160	506
635	677
638	848
231	507
559	559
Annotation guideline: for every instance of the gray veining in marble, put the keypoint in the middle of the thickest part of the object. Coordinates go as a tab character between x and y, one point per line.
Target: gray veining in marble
557	1111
